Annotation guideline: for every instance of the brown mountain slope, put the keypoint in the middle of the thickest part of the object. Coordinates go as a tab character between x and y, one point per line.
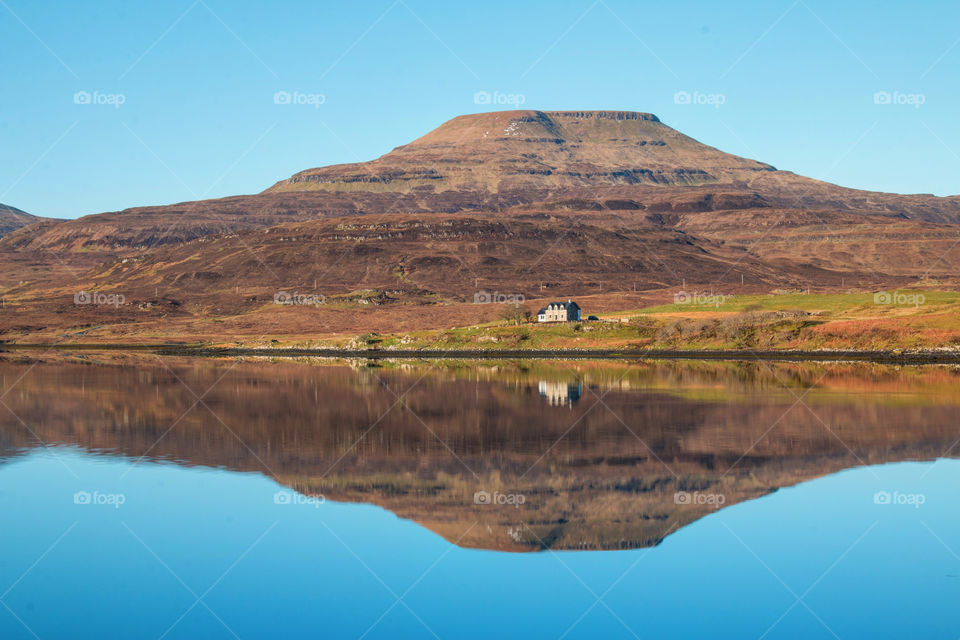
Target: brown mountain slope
522	202
493	161
12	219
519	154
401	273
522	150
436	254
572	252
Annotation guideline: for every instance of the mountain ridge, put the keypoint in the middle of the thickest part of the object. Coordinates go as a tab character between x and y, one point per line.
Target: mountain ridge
510	150
535	203
436	173
12	219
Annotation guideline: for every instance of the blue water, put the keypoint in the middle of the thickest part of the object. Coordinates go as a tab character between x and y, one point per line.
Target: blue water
200	553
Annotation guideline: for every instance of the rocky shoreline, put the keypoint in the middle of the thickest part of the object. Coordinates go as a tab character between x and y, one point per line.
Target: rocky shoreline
896	356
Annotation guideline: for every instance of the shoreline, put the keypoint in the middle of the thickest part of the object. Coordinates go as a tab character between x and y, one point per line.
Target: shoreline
917	357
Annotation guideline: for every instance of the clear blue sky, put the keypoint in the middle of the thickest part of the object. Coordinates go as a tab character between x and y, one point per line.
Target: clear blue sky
197	79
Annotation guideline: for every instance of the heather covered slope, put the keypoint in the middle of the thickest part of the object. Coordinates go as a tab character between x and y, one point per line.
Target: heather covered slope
523	150
491	162
12	219
513	157
395	274
527	203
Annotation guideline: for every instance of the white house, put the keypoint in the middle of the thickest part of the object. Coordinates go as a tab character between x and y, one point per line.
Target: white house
568	311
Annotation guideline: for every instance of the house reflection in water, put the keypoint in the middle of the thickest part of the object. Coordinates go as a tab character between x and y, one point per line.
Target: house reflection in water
560	394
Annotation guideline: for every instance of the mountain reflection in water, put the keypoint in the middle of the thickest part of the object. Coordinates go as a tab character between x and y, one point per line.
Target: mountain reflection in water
565	455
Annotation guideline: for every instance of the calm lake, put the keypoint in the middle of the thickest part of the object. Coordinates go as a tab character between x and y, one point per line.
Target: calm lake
146	497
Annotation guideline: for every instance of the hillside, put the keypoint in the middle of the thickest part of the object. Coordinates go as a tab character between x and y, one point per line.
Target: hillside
12	219
515	157
526	203
494	161
511	151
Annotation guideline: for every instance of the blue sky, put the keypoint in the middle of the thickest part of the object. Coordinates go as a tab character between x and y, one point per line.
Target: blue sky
182	92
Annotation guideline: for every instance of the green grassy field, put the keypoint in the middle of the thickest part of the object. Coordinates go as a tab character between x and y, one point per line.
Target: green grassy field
906	319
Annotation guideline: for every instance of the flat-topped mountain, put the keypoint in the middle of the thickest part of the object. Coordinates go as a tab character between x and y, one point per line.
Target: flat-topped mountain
535	203
490	162
523	150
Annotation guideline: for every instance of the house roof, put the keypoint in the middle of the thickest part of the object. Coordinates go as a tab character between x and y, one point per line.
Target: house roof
567	305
